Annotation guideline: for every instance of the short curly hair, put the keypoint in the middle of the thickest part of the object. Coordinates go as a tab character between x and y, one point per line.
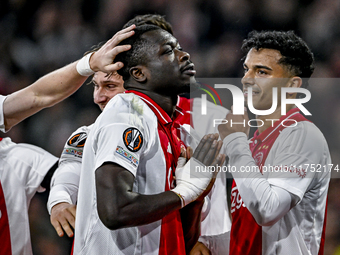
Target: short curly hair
296	55
138	54
150	19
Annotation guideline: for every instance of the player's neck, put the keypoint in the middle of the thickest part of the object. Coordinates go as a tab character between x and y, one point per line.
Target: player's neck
167	103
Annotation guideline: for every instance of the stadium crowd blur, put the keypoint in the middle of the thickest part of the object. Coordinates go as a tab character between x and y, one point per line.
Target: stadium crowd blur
38	36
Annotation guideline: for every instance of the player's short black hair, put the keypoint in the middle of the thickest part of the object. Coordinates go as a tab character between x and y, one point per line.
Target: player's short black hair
296	55
138	54
150	19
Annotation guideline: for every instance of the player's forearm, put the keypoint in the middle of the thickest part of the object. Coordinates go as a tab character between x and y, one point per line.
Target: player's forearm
266	203
191	223
138	210
45	92
119	207
65	184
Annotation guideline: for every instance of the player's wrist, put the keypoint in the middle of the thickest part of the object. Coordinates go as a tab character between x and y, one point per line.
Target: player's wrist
192	180
83	65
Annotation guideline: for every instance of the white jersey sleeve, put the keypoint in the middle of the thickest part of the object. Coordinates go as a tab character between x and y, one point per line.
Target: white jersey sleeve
65	181
300	155
120	143
30	163
2	118
22	169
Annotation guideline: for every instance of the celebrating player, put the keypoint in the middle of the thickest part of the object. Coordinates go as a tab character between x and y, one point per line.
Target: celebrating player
127	199
279	211
61	205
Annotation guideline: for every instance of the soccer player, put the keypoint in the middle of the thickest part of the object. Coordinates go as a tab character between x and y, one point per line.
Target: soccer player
128	201
24	170
65	181
215	227
279	206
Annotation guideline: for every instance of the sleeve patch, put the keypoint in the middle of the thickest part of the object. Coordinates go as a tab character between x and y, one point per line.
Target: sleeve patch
126	155
77	140
73	152
133	139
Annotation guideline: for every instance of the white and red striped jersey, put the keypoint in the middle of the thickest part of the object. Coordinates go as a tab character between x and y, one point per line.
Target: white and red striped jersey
286	153
2	120
137	134
22	169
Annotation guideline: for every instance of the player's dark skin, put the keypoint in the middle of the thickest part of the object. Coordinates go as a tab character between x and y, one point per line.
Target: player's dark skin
162	78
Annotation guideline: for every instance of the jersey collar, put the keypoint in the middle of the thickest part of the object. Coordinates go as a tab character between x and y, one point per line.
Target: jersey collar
265	134
162	116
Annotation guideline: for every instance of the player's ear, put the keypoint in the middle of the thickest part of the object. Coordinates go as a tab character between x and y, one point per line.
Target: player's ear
294	82
138	73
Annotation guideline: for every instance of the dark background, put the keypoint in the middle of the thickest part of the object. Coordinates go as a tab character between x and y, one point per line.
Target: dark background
38	36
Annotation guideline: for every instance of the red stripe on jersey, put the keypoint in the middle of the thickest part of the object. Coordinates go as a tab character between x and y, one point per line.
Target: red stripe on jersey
322	243
246	234
5	247
186	106
172	238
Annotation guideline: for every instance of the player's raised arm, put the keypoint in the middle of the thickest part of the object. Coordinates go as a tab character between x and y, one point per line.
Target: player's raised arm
61	83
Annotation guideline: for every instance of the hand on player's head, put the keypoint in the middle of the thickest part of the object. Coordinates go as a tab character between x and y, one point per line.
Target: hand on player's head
103	59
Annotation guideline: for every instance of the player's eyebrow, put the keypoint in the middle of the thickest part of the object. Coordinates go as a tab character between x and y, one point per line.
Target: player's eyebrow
263	67
259	67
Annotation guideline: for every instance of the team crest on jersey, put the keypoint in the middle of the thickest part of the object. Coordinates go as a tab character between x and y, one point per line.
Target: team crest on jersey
77	140
258	158
133	139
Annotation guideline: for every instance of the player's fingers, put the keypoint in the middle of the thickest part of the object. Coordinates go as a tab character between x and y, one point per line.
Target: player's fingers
190	152
57	227
125	30
67	228
210	155
71	220
200	146
73	210
206	148
218	148
113	67
183	153
68	218
116	39
119	49
66	222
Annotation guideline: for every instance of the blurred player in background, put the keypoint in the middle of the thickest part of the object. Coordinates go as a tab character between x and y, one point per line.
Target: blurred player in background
61	205
65	183
280	211
24	168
